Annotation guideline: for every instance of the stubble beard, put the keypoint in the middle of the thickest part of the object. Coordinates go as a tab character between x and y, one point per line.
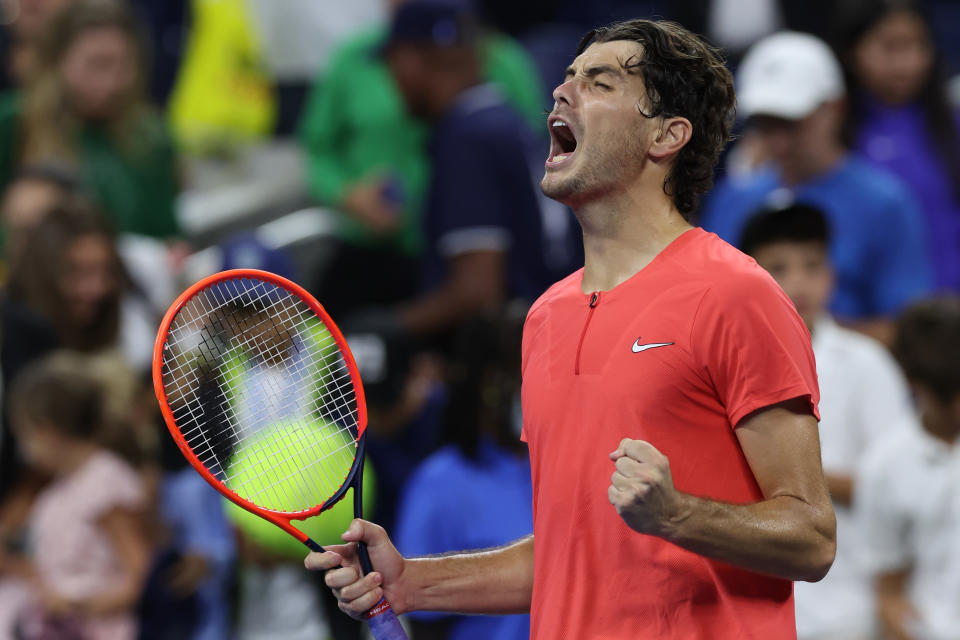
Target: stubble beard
606	171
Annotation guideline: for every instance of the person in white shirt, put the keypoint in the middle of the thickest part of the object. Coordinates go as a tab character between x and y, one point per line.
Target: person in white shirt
907	499
862	392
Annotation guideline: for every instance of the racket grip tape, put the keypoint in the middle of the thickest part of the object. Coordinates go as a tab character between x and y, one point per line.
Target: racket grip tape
384	624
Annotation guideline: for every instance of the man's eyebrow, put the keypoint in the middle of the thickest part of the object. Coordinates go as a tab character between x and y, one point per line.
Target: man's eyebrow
594	70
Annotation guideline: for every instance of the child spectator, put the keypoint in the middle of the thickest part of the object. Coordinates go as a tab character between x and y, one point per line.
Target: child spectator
900	118
88	552
86	104
475	492
908	490
862	395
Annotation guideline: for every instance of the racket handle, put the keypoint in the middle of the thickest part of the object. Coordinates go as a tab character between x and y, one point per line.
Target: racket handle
384	624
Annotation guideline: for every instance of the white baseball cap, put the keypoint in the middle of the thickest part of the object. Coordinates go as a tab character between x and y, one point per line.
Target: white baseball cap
788	75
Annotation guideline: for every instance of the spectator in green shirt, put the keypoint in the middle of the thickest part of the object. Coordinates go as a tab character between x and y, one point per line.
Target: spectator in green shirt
367	158
86	107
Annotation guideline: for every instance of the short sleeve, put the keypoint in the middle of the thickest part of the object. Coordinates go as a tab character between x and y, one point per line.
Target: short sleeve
754	347
883	525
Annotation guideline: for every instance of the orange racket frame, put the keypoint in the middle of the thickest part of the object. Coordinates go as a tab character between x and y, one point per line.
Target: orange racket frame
282	519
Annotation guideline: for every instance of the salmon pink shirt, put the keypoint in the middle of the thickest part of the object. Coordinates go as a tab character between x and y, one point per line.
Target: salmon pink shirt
677	355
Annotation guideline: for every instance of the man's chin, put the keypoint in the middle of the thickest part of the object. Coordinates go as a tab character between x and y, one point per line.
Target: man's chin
557	188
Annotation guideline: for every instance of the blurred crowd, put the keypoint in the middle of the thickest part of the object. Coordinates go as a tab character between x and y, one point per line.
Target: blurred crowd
386	155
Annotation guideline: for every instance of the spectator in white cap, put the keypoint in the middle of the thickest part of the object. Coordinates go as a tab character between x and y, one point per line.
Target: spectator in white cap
792	96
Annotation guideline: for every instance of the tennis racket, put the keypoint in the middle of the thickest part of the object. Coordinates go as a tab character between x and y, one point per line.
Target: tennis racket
262	395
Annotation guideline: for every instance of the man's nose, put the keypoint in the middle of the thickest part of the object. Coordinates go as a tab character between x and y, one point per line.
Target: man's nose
563	94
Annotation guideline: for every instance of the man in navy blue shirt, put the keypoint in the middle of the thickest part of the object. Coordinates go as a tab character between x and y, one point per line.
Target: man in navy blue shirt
791	92
490	234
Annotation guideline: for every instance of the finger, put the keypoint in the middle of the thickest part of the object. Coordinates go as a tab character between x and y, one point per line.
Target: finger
363	531
619	452
614	495
361	587
317	561
624	483
642	451
342	577
630	467
359	607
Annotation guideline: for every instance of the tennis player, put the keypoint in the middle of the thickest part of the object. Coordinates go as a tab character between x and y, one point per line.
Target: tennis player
669	391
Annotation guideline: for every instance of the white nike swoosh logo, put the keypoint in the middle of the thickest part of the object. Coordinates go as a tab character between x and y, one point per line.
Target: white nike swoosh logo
637	347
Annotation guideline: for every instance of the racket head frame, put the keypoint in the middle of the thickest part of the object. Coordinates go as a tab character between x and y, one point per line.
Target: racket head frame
279	518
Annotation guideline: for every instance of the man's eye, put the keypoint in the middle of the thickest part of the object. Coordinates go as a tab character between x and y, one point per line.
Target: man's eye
602	85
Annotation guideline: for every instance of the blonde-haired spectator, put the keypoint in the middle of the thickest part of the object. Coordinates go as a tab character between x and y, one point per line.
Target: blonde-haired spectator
86	105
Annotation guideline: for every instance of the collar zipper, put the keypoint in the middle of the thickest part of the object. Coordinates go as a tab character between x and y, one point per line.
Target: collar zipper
594	302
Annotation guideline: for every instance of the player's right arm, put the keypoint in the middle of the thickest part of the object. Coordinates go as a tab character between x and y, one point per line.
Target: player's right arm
492	581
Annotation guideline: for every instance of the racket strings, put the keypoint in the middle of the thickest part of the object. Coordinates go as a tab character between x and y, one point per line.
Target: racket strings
261	394
289	451
267	470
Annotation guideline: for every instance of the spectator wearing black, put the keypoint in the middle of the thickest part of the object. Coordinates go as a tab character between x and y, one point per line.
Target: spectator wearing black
483	224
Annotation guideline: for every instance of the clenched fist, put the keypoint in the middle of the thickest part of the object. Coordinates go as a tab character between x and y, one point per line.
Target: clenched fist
641	488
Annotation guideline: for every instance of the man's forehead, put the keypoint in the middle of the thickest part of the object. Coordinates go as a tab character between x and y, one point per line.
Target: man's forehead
614	53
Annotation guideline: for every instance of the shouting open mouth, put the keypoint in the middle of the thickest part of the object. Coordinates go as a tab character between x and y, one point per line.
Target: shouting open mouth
563	141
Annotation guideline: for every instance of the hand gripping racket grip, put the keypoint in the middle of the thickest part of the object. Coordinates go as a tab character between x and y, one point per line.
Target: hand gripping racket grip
383	622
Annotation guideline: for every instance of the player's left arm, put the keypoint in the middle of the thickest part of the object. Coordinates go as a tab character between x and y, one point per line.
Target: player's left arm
790	534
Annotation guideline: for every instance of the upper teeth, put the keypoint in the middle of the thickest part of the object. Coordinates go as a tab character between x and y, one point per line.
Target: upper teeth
559	123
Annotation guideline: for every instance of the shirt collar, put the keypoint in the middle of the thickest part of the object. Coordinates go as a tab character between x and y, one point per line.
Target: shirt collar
474	99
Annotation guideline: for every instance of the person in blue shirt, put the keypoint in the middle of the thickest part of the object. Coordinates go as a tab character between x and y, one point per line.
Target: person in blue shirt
791	92
900	117
475	492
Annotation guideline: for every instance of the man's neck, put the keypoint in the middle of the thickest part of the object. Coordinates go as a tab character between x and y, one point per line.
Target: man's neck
824	163
623	233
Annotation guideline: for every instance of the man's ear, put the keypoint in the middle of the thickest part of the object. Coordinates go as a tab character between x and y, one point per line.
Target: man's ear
674	133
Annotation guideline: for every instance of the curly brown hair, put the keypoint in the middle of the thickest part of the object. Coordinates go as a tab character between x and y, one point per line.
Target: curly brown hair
684	77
